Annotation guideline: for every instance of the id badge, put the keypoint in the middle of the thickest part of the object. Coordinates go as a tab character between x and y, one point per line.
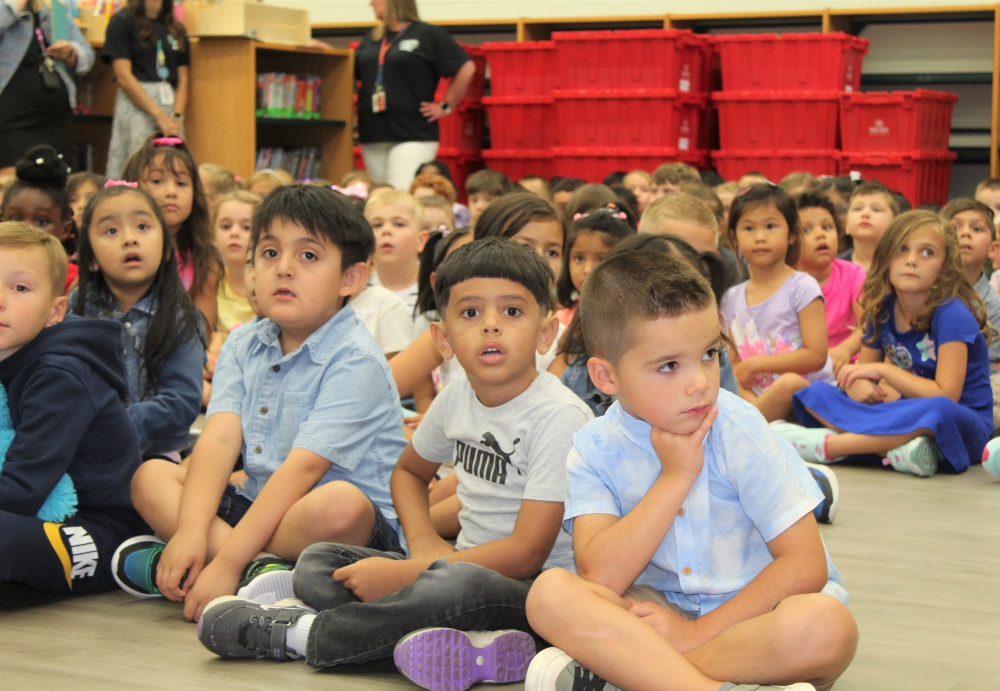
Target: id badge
378	101
166	94
50	78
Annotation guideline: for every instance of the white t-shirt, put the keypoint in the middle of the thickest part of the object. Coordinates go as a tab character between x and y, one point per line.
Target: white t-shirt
504	455
408	294
386	316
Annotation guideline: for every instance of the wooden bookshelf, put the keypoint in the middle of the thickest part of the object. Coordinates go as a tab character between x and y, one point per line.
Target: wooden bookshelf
222	126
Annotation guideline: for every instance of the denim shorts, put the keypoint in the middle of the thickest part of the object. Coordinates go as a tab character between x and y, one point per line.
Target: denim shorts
233	506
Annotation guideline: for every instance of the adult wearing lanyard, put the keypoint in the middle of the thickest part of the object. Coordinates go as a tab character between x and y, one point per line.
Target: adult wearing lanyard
148	50
37	86
398	66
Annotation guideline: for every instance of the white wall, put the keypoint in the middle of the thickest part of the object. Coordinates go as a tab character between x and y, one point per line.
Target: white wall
360	11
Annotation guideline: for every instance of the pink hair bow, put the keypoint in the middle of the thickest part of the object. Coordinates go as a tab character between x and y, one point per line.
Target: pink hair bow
168	141
121	183
358	190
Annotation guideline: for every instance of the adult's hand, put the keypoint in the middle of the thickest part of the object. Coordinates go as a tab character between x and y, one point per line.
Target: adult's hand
63	51
432	111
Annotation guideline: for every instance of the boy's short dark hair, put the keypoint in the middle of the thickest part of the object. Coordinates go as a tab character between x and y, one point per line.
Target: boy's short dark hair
323	213
640	285
566	185
488	182
495	257
875	187
957	206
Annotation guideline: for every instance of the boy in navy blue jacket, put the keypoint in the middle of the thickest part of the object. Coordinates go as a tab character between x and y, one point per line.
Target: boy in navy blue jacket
64	484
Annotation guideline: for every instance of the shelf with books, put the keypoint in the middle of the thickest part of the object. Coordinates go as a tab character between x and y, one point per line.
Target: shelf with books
222	123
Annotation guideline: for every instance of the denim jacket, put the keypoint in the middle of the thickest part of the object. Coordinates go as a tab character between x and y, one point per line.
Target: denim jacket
16	35
162	417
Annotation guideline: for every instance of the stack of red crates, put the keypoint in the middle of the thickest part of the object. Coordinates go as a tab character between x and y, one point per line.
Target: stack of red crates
520	108
780	103
630	100
901	139
591	102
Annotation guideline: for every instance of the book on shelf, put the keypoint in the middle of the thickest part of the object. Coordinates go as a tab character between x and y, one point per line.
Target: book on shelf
283	95
301	163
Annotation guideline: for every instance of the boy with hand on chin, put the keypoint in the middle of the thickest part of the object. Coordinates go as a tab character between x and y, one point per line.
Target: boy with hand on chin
307	398
508	429
699	558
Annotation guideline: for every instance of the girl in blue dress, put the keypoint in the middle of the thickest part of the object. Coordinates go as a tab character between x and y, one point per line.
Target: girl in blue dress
919	394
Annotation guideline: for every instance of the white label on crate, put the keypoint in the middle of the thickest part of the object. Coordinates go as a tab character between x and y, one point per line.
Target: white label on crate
685	81
878	129
683	143
848	88
685	85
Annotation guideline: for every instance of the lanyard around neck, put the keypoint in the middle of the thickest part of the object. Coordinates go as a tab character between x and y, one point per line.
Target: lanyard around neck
162	71
383	49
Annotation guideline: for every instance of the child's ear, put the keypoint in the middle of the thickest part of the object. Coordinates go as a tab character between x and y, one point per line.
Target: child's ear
355	276
547	334
994	253
67	229
59	306
440	337
603	375
422	239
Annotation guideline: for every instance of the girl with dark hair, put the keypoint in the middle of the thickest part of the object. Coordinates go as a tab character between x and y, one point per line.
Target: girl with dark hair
39	197
148	50
165	168
128	272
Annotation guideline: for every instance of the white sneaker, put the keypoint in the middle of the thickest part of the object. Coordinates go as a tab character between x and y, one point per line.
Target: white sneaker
916	457
554	670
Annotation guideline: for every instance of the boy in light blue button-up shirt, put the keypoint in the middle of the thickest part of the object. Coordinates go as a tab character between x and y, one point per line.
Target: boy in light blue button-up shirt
692	522
307	398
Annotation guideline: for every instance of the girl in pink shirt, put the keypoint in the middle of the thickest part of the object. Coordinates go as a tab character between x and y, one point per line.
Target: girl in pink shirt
840	280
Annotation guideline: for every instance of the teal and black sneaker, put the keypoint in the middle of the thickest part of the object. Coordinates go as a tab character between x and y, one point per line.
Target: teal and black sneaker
134	565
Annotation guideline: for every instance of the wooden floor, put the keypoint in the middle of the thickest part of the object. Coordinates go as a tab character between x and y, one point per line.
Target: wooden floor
921	559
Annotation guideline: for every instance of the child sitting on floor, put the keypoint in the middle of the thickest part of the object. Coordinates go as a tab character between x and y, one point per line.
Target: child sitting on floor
508	428
307	399
698	555
64	502
919	394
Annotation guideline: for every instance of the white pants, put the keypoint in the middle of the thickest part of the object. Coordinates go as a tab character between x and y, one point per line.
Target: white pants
396	163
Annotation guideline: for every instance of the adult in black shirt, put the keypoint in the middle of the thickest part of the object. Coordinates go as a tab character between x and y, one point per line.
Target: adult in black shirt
397	115
148	50
37	86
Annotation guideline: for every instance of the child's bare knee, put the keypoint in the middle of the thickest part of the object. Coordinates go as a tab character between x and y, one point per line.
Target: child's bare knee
821	628
548	594
338	508
148	479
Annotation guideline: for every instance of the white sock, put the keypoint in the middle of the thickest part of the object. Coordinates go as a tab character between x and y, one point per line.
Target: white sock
296	636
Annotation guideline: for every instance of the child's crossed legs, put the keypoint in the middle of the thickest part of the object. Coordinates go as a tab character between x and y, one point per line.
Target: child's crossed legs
809	637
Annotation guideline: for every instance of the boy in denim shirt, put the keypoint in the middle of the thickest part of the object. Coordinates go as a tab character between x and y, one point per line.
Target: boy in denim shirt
692	521
307	398
508	429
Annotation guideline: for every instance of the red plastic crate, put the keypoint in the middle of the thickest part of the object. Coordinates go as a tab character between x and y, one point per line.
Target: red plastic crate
903	121
475	91
594	163
921	176
463	129
732	164
634	59
777	120
646	118
518	163
521	122
811	62
521	69
462	164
